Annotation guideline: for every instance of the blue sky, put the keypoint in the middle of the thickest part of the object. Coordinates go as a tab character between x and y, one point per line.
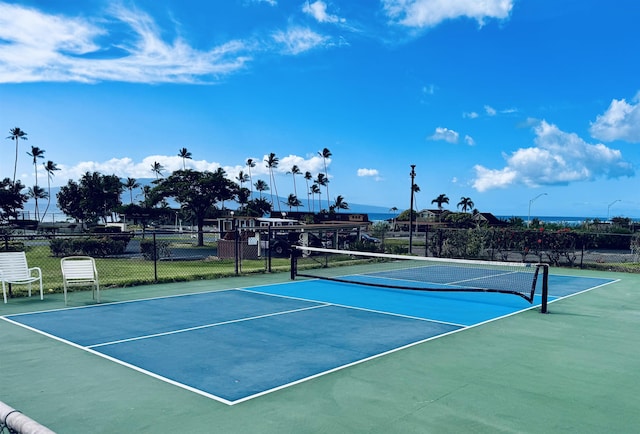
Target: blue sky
497	100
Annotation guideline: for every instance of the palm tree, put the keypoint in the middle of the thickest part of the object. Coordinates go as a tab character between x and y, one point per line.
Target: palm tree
315	189
295	170
36	193
35	154
130	184
261	186
394	210
308	177
157	168
440	200
243	197
16	134
185	155
242	178
465	203
250	164
340	204
322	181
292	201
49	167
272	163
326	153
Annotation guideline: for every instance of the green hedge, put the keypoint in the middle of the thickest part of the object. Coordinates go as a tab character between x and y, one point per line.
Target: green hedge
99	247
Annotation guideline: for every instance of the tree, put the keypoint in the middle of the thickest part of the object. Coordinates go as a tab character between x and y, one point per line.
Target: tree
465	203
197	192
130	184
95	197
295	170
340	204
16	134
322	181
315	189
50	167
261	186
11	199
242	178
272	163
185	155
326	153
258	207
440	200
292	201
157	169
35	154
243	195
250	164
308	177
36	192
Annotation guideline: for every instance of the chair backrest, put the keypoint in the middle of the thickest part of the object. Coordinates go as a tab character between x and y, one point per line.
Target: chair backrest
13	266
78	267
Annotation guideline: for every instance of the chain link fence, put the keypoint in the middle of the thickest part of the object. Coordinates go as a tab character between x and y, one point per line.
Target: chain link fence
560	248
127	259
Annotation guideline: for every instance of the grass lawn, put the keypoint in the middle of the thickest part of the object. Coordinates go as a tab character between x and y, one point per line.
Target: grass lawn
123	272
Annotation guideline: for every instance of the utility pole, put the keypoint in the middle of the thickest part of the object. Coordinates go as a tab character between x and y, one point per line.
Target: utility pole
413	177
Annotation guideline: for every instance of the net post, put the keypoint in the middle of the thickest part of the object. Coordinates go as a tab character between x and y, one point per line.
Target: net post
545	288
293	264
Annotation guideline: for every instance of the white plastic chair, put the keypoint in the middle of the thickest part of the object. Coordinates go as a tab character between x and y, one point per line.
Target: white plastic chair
14	270
80	271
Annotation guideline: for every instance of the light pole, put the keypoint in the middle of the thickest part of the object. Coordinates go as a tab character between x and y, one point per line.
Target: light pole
530	202
413	177
609	207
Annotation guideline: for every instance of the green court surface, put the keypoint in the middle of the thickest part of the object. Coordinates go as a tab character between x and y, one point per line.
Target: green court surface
572	370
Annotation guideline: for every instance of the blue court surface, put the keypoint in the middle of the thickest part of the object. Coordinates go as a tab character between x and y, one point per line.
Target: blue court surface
238	344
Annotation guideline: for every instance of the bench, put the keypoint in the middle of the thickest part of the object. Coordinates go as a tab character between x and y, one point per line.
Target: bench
14	270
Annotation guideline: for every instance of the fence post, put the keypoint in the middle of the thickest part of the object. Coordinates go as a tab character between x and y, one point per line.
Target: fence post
269	234
426	239
155	259
236	249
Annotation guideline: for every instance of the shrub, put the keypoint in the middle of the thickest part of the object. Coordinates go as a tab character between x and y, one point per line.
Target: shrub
162	249
88	246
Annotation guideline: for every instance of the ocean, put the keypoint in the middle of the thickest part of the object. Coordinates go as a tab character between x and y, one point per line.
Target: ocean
567	220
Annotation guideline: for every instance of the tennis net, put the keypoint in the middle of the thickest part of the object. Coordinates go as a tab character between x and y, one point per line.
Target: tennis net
13	421
421	273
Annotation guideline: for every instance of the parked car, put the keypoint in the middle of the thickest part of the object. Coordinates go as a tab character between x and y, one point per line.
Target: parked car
366	238
281	244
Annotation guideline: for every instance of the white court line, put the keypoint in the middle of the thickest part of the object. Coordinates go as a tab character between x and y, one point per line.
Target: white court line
346	306
204	326
283	386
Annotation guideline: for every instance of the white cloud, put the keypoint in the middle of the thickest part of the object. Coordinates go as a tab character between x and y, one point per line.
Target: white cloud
621	121
41	47
430	13
373	173
445	134
318	10
558	158
368	172
490	110
470	115
298	40
126	167
469	140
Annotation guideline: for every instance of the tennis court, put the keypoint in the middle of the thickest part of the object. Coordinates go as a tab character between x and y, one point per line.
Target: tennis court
268	348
